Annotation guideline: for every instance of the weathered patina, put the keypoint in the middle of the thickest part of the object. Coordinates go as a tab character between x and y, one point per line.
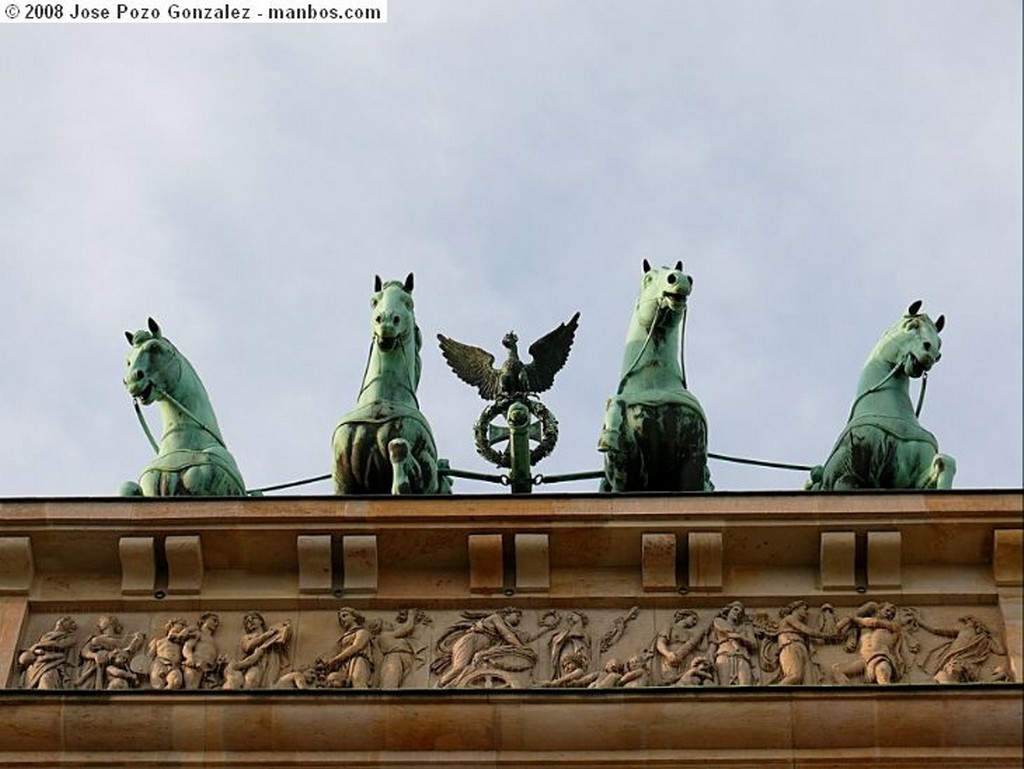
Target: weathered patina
883	445
655	433
385	445
192	458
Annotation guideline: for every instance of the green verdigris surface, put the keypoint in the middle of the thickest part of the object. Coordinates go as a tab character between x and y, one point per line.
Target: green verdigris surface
192	459
884	445
385	444
654	436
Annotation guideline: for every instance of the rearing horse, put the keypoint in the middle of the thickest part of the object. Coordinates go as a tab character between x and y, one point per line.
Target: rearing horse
192	459
385	445
883	445
655	432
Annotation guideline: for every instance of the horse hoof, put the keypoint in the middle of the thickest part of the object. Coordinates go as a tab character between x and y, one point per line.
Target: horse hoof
129	489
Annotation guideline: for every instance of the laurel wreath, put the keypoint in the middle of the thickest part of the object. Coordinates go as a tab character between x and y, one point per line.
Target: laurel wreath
548	428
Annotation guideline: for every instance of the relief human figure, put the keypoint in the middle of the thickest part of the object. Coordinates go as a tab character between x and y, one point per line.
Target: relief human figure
394	641
46	662
877	636
352	666
262	654
98	650
614	674
202	660
119	674
571	640
573	673
733	642
701	672
793	636
165	671
674	647
961	659
638	670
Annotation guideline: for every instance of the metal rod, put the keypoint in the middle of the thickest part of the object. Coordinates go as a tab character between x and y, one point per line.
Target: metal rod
451	472
761	462
583	476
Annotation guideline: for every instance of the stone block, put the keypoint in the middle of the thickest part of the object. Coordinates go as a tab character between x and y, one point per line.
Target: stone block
658	558
184	564
138	565
486	563
359	561
315	570
1006	557
705	560
885	559
838	560
16	565
532	565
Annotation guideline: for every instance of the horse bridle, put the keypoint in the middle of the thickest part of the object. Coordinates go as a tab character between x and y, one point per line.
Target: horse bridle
401	338
175	402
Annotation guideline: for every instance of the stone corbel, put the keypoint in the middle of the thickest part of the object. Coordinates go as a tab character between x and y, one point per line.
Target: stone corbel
533	571
658	562
138	565
705	560
359	562
316	573
486	563
184	564
838	560
17	567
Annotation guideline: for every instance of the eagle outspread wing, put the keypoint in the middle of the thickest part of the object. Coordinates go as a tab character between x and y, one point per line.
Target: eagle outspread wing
550	353
473	366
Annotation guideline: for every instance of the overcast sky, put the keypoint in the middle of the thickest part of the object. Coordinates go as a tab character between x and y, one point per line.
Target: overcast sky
817	166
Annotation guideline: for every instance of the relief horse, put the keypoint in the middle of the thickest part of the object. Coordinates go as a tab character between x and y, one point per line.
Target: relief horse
654	436
192	459
883	445
385	445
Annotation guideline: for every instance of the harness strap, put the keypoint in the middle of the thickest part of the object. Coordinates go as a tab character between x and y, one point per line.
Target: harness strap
145	426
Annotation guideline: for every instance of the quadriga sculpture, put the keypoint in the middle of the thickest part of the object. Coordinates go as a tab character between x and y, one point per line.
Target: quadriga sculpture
385	445
883	445
192	459
655	433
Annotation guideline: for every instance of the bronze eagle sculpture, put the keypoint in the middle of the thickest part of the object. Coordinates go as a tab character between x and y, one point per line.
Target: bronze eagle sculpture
475	366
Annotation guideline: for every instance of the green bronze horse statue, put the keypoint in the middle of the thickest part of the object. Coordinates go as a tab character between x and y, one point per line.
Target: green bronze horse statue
883	445
654	436
191	459
385	446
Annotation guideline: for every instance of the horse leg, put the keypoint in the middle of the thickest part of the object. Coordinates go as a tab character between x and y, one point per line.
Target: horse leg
406	476
940	472
612	445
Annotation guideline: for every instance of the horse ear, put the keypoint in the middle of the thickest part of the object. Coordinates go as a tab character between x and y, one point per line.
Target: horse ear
647	266
940	323
679	265
408	283
154	327
913	309
378	284
131	338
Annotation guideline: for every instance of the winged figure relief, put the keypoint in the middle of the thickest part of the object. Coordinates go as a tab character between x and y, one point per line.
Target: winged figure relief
475	366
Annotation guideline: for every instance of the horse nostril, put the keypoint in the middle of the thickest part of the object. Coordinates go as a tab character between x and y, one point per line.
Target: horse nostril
395	319
927	345
139	374
671	277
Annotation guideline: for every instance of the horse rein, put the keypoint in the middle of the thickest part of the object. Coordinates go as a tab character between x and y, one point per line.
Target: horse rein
881	383
661	309
366	369
180	406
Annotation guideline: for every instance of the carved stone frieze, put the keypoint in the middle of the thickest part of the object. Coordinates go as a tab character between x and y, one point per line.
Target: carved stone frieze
797	644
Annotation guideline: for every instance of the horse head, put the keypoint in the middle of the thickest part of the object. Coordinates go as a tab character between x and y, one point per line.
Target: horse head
663	293
913	343
394	325
154	364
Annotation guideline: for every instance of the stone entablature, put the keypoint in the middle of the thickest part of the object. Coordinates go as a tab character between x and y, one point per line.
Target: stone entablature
684	596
